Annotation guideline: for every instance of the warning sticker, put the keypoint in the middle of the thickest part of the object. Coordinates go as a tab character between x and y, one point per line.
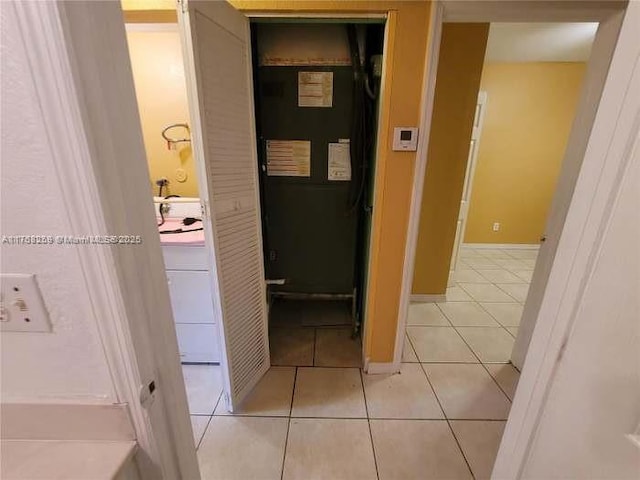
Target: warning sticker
315	89
288	158
339	163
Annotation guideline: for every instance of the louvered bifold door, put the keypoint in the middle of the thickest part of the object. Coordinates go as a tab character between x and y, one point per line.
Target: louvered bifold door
218	68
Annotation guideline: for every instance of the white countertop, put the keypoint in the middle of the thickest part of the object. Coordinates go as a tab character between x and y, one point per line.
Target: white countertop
68	459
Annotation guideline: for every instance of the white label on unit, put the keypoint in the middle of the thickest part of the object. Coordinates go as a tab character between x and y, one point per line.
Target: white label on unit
21	306
339	162
288	158
315	89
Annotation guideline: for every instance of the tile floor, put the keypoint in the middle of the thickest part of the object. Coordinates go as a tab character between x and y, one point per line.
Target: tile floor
441	417
305	333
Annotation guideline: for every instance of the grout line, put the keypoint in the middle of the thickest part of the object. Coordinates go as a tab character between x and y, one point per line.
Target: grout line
489	313
204	432
461	326
499	386
290	365
251	415
286	438
207	426
494	285
503	290
453	362
366	409
460	448
293	391
483	366
364	394
217	401
467	344
434	391
446	419
443	314
463	363
284	452
315	339
318	366
448	326
496	320
407	419
413	349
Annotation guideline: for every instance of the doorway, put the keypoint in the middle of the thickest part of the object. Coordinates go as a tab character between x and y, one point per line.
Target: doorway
317	86
314	167
533	97
465	334
161	92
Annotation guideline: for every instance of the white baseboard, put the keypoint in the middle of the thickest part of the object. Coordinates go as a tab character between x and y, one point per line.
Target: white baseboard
511	246
427	298
377	368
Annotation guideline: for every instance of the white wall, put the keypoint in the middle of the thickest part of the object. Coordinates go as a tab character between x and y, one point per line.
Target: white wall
594	400
540	42
68	365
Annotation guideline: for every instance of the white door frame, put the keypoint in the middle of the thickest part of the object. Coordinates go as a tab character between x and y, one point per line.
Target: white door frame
81	72
583	179
339	16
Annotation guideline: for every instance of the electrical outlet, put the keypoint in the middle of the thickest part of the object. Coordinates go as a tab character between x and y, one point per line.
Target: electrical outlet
21	306
496	226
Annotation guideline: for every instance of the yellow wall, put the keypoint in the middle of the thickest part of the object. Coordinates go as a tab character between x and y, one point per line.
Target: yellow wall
149	11
158	73
530	109
458	78
408	24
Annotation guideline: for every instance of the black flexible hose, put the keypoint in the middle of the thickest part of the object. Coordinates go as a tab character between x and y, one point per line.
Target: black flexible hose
360	143
162	204
180	230
160	187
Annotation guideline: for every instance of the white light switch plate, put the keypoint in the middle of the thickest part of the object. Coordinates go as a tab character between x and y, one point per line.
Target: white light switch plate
21	306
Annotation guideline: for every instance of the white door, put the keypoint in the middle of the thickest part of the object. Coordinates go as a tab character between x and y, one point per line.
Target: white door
217	51
468	183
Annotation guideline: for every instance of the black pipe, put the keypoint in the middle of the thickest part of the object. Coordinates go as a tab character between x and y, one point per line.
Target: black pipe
359	131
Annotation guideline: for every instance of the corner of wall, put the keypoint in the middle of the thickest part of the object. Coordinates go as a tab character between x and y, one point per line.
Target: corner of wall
460	66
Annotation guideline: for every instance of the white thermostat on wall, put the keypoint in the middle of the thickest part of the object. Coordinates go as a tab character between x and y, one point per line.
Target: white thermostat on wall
405	139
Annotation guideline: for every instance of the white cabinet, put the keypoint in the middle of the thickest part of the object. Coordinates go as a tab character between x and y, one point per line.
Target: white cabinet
191	299
192	258
198	342
192	303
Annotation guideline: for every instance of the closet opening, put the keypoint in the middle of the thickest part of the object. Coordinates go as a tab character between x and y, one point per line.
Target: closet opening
316	88
261	139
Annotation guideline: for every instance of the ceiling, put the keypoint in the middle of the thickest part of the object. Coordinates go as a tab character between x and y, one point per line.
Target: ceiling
540	42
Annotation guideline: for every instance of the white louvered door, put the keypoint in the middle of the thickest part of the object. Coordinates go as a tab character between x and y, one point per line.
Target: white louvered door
217	50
